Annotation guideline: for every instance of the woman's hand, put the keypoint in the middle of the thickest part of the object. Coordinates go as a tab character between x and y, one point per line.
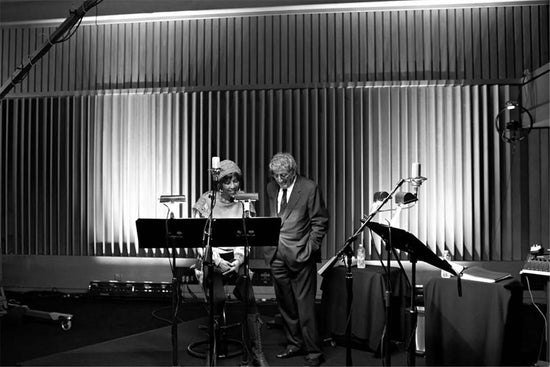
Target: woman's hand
227	267
224	266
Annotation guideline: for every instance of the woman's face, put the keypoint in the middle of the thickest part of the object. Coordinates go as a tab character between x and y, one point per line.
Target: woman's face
230	186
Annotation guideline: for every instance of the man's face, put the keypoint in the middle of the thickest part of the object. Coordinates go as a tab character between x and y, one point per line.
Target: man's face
284	177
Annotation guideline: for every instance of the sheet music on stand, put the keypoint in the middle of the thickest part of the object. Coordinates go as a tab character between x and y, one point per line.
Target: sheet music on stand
479	274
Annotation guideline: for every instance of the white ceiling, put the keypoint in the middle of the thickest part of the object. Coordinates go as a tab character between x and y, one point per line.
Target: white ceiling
31	10
23	10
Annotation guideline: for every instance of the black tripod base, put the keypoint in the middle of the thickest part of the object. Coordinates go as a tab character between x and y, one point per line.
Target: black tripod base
229	348
226	347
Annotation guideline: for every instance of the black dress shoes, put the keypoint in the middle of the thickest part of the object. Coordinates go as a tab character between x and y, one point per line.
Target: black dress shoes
289	353
313	361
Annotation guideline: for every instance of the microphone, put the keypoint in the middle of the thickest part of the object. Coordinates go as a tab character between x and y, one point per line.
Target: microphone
168	200
416	179
215	168
405	198
245	198
172	199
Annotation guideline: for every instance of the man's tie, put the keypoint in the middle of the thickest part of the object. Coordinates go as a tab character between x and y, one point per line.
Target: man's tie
283	204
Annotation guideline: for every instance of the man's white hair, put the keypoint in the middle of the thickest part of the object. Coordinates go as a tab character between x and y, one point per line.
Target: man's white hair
283	161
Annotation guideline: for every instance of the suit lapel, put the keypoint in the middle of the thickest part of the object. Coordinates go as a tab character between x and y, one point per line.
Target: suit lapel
293	199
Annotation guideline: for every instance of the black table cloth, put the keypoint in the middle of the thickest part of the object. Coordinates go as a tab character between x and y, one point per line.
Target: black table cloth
368	308
478	329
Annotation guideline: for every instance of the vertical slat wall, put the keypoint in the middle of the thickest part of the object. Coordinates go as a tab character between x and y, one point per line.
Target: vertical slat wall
484	43
126	112
78	171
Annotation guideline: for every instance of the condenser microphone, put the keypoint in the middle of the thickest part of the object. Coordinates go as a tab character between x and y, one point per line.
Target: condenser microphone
246	198
416	178
215	168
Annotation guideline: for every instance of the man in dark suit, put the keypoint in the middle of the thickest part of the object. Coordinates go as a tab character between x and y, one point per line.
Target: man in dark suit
304	223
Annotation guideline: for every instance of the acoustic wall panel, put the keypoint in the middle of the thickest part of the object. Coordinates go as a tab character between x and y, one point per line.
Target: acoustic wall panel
78	171
281	50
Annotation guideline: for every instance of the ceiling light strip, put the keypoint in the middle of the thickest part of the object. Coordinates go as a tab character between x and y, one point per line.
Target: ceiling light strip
279	10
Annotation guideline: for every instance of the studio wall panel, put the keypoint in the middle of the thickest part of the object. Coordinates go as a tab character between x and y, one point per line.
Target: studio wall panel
78	171
297	49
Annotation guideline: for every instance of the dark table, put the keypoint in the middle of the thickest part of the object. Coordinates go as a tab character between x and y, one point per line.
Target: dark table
481	328
368	308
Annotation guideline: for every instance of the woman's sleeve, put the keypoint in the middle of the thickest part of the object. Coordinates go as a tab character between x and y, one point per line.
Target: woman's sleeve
202	206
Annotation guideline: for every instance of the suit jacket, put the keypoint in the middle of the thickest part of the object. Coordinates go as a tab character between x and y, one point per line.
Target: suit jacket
303	224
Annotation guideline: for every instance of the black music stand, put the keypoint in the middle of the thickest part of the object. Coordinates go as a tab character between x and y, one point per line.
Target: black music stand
407	242
171	233
237	232
260	231
189	233
157	233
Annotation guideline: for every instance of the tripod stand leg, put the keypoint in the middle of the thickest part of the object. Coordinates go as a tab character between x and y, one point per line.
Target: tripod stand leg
413	315
411	344
387	333
212	354
65	319
175	301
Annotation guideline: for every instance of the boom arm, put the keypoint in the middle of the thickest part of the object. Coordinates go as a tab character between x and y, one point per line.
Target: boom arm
55	37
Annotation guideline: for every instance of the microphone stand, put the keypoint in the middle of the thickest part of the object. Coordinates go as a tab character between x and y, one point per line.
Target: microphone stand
411	343
207	239
413	315
348	252
175	290
246	280
386	355
176	276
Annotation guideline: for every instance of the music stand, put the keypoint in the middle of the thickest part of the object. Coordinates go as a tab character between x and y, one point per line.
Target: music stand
260	231
189	233
171	233
156	233
407	242
237	232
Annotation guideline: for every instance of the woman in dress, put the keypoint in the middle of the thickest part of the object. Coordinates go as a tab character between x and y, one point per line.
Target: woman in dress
227	262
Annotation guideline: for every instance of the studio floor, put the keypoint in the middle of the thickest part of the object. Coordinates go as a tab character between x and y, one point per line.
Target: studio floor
137	332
